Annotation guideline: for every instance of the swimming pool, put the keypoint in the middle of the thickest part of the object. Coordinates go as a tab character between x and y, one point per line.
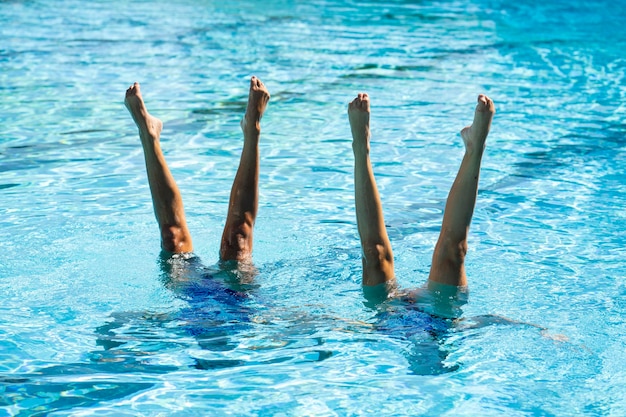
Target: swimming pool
89	324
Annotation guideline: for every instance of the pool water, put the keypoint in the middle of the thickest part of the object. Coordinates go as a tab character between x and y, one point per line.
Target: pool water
92	321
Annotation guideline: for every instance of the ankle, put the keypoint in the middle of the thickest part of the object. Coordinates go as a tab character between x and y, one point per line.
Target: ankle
149	140
474	151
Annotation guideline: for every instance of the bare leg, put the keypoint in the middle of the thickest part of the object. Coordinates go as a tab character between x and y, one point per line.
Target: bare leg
244	196
377	253
166	199
448	265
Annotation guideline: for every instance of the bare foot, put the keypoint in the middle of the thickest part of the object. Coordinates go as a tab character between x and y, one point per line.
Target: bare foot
257	103
149	126
475	135
359	116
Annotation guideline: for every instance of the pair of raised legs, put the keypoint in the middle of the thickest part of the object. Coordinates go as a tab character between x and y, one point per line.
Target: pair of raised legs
236	241
448	263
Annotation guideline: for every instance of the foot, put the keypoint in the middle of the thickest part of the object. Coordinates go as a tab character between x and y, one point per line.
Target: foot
257	103
359	116
475	135
149	126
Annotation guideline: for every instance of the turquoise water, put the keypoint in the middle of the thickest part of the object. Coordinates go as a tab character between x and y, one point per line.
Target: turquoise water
90	324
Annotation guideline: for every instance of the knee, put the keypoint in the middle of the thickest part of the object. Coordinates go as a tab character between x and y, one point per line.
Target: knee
376	255
452	252
175	240
237	241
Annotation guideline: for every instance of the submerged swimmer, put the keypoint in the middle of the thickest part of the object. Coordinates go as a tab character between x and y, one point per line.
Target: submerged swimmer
214	305
447	280
236	244
423	315
183	273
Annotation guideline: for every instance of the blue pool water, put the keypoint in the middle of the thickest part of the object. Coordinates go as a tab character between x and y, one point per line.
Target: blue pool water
91	322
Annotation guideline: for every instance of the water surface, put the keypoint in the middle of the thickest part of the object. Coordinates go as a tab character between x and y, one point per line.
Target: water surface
89	323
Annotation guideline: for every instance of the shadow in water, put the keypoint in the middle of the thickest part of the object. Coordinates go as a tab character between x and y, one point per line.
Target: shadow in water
425	351
219	324
218	305
431	323
423	319
136	348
